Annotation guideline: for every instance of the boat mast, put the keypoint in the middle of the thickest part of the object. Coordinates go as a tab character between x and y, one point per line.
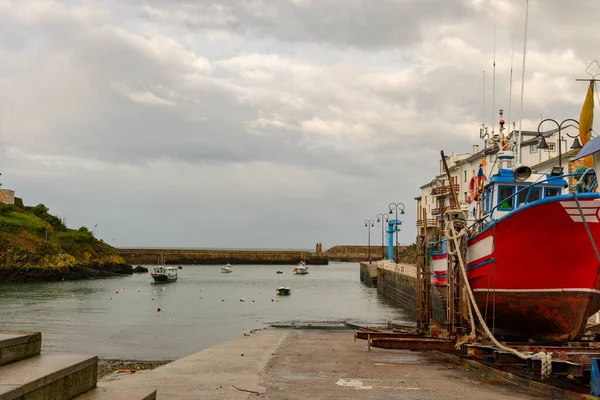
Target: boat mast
517	137
494	87
510	88
482	131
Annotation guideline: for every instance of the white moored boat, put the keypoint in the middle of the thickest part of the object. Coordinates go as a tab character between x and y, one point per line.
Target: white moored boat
226	269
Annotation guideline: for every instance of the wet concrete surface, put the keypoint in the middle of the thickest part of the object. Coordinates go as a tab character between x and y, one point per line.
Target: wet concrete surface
310	364
328	365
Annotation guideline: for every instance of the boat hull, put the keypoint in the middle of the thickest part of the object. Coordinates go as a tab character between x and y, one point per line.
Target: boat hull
535	273
163	278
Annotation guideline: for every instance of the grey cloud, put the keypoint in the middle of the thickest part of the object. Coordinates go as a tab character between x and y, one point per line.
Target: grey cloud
353	23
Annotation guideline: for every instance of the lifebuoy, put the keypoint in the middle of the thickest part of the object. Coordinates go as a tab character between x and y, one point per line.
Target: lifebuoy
473	189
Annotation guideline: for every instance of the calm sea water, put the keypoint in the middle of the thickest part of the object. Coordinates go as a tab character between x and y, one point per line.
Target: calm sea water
201	309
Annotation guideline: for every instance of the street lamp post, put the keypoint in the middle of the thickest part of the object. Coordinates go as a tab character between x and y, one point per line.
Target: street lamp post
368	224
391	207
383	218
543	145
94	234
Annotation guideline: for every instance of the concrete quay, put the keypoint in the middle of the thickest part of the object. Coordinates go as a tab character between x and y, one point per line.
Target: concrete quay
301	364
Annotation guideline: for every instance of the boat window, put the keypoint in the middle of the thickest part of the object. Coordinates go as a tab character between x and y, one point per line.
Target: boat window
552	192
534	195
506	198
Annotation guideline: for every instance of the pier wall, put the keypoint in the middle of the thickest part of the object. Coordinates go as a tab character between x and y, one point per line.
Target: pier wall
219	256
398	283
368	273
361	253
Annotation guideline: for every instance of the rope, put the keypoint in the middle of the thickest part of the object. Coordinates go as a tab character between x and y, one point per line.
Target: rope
546	359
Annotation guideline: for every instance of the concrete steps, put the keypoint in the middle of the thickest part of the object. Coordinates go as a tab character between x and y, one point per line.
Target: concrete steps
25	374
15	346
48	376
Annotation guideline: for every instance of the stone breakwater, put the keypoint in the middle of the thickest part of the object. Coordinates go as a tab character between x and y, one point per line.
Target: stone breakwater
398	283
219	256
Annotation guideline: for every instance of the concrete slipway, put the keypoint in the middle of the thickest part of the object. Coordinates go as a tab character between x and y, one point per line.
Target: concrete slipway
301	364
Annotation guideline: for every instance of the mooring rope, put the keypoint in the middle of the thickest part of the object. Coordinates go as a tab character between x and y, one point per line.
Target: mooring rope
452	234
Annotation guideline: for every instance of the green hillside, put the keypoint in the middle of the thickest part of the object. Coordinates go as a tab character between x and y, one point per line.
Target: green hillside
33	240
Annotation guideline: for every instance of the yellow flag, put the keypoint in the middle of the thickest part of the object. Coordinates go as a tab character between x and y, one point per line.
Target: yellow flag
483	162
586	119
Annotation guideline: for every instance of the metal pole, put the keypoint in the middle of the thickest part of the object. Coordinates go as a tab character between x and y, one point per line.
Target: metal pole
382	249
369	245
368	224
396	229
559	147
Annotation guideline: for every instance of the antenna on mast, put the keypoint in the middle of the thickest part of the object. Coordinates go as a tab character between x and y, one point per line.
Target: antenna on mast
510	87
517	137
482	129
494	87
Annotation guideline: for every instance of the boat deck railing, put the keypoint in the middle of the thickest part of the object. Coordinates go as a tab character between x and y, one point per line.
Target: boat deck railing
489	219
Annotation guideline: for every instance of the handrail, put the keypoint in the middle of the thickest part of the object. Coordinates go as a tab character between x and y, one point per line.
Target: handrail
528	188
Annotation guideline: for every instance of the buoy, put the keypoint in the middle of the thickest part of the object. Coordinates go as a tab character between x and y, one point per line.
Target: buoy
48	294
153	298
139	290
277	300
116	291
222	299
111	298
271	300
253	301
242	299
157	308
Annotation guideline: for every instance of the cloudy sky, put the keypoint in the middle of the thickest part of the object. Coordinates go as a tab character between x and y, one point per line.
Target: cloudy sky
263	123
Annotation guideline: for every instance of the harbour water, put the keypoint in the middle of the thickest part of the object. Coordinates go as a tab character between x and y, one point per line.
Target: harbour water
201	309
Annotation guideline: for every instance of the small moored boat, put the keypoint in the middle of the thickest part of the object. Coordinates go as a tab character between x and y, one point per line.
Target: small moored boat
301	269
283	291
279	271
226	269
164	274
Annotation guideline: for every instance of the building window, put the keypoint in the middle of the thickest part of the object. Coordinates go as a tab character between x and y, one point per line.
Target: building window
465	176
551	146
466	197
533	148
425	200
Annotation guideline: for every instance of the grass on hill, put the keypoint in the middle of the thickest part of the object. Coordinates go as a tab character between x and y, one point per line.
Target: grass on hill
31	236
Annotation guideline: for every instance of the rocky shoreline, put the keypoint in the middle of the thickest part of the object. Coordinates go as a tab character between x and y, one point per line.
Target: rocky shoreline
125	367
70	273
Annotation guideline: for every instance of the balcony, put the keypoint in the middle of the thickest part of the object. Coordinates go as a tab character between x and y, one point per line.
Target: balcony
444	190
431	223
439	211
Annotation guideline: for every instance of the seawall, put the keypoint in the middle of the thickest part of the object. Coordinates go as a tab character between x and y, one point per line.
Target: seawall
398	283
219	256
351	253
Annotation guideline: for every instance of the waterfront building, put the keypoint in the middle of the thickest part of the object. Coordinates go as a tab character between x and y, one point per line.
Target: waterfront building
436	196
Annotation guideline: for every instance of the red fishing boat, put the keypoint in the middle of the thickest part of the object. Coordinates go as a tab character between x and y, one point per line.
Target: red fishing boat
532	249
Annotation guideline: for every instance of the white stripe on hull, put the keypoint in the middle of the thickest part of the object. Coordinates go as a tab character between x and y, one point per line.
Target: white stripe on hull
588	218
480	249
582	203
439	265
586	211
589	209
